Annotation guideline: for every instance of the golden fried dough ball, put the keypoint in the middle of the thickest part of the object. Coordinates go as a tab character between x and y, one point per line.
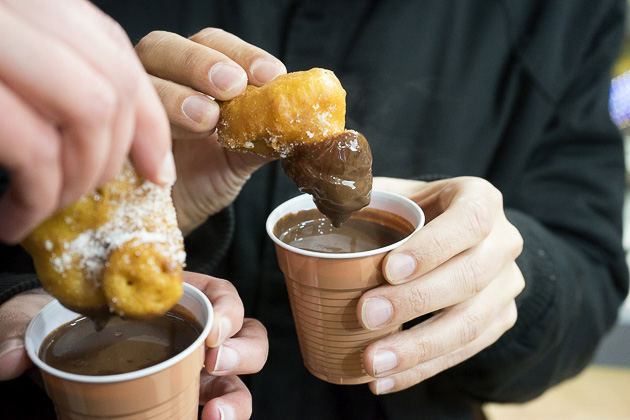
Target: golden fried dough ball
295	108
138	281
117	249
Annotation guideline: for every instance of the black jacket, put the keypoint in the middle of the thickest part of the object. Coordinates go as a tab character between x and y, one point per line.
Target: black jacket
513	92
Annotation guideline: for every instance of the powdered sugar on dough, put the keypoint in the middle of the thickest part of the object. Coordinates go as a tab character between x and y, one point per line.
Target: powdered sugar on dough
140	215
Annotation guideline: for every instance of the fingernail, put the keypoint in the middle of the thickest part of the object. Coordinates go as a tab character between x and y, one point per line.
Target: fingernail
376	312
227	360
199	109
225	327
227	78
167	174
383	361
384	385
399	267
226	412
10	345
265	70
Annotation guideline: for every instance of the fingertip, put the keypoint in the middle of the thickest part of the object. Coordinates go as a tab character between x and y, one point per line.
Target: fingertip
13	359
221	330
167	173
376	312
226	361
399	267
264	70
218	411
113	167
151	147
160	171
226	412
227	80
201	111
211	412
382	386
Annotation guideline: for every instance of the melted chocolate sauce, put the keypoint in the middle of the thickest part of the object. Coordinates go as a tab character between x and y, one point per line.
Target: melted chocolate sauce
366	230
336	171
120	345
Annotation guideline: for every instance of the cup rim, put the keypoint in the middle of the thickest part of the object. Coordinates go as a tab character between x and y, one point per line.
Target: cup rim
380	194
189	290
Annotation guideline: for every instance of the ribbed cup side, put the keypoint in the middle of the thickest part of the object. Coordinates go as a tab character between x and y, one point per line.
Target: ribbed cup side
182	406
172	393
331	339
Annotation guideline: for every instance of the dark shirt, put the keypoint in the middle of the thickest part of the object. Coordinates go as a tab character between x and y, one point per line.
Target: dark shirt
513	92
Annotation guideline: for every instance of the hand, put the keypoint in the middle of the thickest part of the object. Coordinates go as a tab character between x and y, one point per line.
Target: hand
235	345
15	315
75	102
188	74
460	268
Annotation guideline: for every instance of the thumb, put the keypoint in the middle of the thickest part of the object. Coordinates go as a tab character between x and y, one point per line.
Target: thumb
15	315
13	359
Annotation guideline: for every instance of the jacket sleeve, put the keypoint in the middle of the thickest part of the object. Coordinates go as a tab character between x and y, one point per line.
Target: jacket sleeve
568	209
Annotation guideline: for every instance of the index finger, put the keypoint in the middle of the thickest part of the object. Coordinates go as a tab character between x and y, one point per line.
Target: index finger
465	209
261	67
180	60
30	153
226	304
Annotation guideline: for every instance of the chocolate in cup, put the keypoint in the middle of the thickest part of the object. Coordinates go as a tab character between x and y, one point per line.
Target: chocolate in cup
168	390
324	289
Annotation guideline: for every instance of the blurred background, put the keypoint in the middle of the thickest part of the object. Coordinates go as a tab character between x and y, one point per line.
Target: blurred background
602	391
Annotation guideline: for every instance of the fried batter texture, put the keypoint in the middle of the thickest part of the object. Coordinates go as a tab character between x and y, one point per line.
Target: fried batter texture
296	108
116	250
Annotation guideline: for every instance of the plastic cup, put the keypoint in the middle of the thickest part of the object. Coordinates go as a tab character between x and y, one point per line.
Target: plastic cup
324	289
168	390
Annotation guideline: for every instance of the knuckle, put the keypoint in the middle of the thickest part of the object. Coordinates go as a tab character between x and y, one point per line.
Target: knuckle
480	208
46	152
149	41
224	286
99	104
441	244
483	188
477	215
512	316
207	34
471	326
128	78
419	301
162	87
116	32
258	328
516	240
14	321
518	281
472	276
192	61
16	313
425	350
